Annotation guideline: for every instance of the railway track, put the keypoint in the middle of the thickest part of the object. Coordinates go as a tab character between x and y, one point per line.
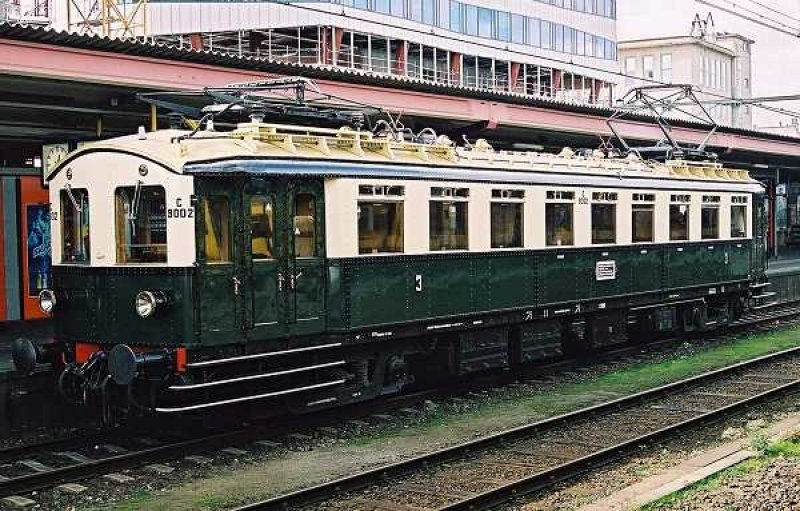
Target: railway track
35	467
500	468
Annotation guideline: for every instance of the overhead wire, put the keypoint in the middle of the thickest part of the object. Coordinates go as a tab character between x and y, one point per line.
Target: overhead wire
748	18
760	15
781	13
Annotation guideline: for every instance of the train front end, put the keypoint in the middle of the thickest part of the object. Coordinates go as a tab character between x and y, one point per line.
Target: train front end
122	227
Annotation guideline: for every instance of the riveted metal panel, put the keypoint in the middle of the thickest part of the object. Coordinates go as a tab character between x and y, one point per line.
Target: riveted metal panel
511	281
559	275
447	284
645	268
378	293
739	259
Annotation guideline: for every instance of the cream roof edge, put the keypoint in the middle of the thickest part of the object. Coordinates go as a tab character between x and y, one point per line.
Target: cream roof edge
269	141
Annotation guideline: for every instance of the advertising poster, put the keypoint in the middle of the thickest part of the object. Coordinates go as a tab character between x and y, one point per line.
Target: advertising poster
38	218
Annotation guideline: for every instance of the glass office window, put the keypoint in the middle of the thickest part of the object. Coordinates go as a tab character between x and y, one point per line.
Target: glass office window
415	10
398	8
485	22
471	19
547	35
535	32
518	29
456	17
428	11
558	31
383	6
444	14
504	26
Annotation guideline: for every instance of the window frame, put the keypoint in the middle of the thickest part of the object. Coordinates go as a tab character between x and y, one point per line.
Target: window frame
118	247
643	201
389	194
559	198
65	194
677	200
739	202
203	246
514	197
711	203
604	198
462	196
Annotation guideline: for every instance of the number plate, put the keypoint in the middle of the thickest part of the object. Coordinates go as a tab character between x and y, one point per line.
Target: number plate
606	270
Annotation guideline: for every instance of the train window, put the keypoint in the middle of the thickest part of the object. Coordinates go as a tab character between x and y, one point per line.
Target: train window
709	222
738	221
604	223
448	219
642	220
74	225
262	228
507	218
141	224
217	221
558	224
380	227
678	222
305	232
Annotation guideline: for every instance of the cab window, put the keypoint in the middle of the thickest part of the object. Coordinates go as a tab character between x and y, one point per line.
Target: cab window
217	229
74	225
305	235
141	224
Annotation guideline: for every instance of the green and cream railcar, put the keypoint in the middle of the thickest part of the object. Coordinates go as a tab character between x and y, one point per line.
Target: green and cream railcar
282	266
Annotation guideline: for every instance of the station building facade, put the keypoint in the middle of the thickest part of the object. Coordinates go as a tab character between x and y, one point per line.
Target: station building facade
561	49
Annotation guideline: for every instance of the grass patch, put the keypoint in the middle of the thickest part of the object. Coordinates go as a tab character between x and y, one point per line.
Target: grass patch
636	378
495	412
787	448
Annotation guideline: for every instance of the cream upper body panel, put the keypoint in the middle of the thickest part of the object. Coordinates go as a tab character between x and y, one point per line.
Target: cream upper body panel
101	173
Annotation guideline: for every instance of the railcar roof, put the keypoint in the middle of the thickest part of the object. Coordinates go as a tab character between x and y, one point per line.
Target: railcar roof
269	149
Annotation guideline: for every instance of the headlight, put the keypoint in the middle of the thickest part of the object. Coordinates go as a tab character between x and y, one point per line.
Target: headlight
47	301
147	302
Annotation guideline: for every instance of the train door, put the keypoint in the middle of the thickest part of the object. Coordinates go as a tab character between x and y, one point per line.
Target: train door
220	277
305	262
264	254
283	260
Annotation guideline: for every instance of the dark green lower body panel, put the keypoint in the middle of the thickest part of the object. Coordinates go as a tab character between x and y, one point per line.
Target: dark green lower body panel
379	291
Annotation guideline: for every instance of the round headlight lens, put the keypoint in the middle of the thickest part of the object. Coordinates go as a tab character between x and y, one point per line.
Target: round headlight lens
145	304
47	301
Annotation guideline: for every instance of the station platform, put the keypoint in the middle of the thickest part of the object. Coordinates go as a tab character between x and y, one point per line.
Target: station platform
784	265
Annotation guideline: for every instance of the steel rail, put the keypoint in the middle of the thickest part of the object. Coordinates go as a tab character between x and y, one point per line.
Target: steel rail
321	492
37	481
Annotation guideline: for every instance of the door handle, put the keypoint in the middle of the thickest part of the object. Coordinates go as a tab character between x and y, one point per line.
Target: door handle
280	282
293	280
237	286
